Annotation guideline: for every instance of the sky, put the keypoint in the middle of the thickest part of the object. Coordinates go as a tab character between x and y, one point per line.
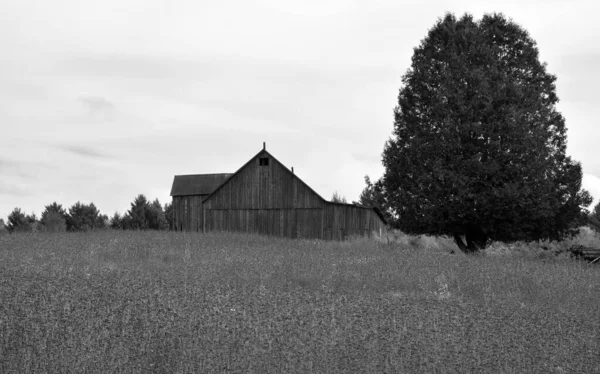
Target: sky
103	100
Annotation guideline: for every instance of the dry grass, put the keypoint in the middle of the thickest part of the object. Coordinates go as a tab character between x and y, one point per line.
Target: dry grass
172	302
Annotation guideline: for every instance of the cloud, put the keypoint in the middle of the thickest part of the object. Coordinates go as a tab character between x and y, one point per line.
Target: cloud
82	151
13	190
24	170
98	107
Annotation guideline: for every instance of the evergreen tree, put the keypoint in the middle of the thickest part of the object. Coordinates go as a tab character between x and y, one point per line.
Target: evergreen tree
116	222
478	148
20	222
337	198
84	217
168	209
138	214
54	218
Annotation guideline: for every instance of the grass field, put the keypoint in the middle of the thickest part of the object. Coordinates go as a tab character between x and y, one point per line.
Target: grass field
172	302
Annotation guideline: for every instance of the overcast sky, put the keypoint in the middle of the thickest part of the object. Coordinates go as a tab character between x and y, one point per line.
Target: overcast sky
103	100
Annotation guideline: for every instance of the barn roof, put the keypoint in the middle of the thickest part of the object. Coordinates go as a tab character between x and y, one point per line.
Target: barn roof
264	152
197	184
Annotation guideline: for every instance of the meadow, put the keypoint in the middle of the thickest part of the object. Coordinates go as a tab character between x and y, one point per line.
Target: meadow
116	301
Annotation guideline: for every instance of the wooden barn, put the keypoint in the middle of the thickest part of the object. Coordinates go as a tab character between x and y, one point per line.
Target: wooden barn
265	197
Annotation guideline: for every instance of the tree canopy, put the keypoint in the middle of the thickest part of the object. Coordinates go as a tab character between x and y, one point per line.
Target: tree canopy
373	195
142	215
18	221
54	218
84	217
337	198
478	148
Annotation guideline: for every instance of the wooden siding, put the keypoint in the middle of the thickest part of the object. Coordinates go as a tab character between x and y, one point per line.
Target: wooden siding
291	223
187	212
333	222
264	187
342	221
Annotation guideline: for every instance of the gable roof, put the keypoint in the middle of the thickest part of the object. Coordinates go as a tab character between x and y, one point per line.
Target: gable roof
264	151
197	184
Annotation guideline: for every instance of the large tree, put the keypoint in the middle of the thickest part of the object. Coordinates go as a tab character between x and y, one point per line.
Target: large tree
478	148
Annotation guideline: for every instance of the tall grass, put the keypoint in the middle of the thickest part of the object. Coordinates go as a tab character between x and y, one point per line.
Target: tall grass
178	302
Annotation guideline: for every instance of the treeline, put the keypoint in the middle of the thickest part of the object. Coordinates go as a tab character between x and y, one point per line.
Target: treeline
142	215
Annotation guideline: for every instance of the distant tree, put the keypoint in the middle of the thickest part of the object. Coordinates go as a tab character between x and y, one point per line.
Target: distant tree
168	209
116	222
104	222
337	198
145	215
20	222
54	222
373	195
3	228
84	217
156	216
54	218
138	213
478	148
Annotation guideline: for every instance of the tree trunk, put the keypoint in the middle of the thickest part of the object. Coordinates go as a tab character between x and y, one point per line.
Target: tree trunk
476	240
461	245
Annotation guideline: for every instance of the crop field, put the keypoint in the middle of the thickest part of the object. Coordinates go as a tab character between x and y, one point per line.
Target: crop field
115	301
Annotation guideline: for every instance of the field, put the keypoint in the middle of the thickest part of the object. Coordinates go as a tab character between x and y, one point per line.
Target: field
182	303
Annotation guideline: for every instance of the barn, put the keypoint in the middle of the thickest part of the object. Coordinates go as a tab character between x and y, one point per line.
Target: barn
266	197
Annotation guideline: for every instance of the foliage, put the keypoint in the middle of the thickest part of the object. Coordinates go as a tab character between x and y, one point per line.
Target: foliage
337	198
3	228
594	217
144	215
54	222
373	195
478	147
116	222
168	209
84	217
156	216
54	218
112	301
20	222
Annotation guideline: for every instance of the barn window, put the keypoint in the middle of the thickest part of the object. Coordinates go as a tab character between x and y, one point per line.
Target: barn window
264	161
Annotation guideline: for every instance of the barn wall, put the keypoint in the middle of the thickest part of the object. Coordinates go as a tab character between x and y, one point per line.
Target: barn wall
291	223
264	187
334	222
342	221
187	212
